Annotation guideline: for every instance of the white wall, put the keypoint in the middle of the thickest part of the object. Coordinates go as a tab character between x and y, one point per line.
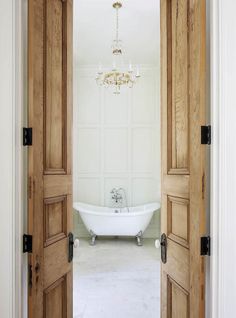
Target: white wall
116	142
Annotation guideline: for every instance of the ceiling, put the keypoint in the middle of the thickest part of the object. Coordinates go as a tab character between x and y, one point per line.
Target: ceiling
94	31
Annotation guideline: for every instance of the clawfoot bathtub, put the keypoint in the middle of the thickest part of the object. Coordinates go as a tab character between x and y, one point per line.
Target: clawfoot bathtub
104	221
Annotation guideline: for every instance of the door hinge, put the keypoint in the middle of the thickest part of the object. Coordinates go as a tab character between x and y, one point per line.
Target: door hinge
206	245
27	243
27	136
206	135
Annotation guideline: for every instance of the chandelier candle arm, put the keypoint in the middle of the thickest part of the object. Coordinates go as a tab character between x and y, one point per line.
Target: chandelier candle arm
100	69
138	72
130	68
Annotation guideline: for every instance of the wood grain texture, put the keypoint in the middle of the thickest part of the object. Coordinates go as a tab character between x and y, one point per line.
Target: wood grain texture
55	219
183	157
197	93
175	185
178	300
54	77
50	195
57	88
35	154
57	185
55	262
178	220
179	77
55	300
177	265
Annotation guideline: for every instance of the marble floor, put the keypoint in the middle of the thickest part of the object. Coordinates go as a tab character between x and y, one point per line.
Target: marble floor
116	279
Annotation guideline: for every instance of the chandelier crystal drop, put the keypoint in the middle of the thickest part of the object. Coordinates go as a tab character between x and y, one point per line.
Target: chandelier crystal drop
118	75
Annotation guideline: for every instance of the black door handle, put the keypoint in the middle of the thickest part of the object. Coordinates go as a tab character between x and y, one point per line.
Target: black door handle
70	247
163	248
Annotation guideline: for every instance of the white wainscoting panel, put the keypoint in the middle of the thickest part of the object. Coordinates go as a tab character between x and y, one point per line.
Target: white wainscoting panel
116	142
116	110
89	109
88	150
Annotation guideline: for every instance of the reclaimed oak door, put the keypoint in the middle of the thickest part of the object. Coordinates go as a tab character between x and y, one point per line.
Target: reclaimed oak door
183	156
49	158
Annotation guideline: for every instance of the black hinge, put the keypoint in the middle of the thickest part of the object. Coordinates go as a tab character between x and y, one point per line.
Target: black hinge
27	136
206	135
27	243
206	245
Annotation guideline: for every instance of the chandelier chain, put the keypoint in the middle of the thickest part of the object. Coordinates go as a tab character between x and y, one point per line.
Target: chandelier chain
117	25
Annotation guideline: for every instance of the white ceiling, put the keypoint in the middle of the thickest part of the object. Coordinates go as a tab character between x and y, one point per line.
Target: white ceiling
94	31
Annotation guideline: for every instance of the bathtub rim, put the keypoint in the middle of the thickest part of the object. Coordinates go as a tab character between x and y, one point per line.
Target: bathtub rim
85	208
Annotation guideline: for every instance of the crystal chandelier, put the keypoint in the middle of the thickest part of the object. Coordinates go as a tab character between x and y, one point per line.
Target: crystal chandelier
118	76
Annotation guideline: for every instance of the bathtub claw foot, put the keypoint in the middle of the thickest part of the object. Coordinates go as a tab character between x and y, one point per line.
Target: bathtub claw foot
93	238
139	238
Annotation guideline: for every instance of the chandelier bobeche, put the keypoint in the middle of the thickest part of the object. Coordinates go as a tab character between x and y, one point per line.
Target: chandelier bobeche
117	76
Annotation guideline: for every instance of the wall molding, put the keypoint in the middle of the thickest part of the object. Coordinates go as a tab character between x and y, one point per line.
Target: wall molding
114	123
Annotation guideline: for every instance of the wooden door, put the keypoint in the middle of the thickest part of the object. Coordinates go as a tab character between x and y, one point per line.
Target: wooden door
49	159
183	156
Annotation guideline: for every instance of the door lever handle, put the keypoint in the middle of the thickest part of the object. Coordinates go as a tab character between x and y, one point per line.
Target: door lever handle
163	248
70	247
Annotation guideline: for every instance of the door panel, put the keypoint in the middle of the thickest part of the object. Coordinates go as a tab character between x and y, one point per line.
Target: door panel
179	300
55	72
54	300
183	156
178	59
177	265
178	220
50	181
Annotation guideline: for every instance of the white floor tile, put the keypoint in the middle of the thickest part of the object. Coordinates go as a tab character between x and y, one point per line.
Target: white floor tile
116	279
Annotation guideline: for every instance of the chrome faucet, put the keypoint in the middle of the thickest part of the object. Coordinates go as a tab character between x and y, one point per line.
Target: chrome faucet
116	196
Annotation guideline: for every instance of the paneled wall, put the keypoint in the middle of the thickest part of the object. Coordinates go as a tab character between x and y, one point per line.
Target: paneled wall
116	142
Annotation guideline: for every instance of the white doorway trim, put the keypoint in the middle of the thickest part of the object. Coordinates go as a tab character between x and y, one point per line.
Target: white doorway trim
11	190
7	159
223	162
214	183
